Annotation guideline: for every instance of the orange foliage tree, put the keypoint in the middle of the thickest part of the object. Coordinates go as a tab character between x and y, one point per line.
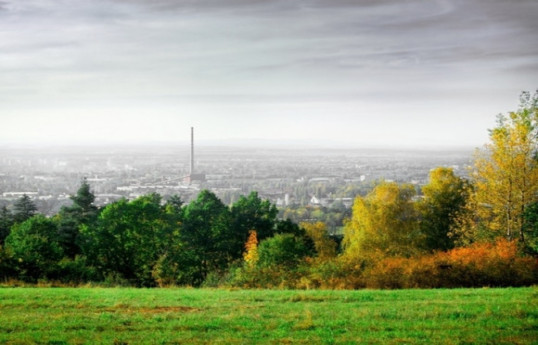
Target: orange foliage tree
251	249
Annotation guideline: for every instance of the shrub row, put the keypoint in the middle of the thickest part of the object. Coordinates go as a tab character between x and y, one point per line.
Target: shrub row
479	265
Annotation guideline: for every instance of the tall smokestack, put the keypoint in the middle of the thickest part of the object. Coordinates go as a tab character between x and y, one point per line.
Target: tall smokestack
192	150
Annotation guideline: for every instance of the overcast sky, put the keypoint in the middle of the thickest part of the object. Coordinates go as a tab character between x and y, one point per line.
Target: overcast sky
402	73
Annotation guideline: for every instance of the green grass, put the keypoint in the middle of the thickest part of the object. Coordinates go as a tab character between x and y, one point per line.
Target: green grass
204	316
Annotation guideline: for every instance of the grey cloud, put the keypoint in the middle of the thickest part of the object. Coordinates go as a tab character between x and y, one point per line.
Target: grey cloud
217	44
210	5
266	5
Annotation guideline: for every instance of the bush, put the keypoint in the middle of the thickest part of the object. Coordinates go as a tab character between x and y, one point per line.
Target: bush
263	277
7	265
75	271
165	271
282	250
35	248
481	264
338	273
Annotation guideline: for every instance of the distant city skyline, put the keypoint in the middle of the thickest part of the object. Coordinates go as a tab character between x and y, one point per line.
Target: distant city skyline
316	73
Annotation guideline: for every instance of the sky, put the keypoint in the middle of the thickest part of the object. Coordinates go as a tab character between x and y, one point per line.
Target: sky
363	73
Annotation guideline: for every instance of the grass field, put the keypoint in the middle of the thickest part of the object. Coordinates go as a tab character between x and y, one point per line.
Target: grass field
204	316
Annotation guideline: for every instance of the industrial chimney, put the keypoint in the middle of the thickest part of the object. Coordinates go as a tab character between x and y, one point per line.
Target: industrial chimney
192	152
193	176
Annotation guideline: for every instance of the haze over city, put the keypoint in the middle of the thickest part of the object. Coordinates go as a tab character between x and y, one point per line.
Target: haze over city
315	73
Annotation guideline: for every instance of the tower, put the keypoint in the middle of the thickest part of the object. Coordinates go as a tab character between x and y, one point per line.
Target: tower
193	176
191	171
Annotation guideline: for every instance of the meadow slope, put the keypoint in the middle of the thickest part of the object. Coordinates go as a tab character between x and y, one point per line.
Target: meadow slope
207	316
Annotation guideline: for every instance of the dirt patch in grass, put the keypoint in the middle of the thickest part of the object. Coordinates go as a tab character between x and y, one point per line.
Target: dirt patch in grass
127	309
307	298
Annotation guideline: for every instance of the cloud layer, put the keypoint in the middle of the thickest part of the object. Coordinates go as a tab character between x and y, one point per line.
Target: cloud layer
263	59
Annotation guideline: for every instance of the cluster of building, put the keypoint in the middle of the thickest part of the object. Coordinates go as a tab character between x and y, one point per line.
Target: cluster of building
284	176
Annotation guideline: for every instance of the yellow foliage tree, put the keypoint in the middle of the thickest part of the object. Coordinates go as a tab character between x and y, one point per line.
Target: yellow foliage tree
505	174
324	245
384	223
251	249
445	197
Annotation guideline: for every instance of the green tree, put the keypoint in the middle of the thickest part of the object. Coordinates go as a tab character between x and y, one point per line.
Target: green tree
71	218
445	197
172	266
505	174
282	250
34	247
6	221
174	214
384	223
251	213
7	266
175	203
287	226
128	238
530	227
24	208
209	243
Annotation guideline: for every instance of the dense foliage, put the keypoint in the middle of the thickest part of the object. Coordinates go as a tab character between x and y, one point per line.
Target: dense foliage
454	232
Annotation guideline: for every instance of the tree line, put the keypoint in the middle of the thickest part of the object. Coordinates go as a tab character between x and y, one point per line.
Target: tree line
139	242
456	231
